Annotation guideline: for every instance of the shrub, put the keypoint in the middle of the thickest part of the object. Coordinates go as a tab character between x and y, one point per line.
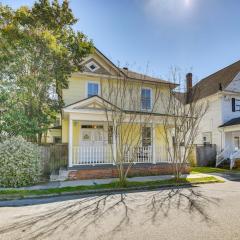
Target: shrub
19	163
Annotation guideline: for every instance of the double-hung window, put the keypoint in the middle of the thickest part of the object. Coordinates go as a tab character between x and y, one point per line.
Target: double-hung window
93	89
146	99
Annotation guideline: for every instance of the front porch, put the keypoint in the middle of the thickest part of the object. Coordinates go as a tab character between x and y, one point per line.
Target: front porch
91	144
95	145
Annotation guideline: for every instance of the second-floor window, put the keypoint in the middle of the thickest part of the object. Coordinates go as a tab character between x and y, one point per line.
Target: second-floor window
93	89
237	105
146	99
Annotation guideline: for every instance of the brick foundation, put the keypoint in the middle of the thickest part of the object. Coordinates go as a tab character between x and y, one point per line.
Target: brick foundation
98	172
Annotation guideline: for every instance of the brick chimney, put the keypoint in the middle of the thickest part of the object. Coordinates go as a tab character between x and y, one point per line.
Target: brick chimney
189	81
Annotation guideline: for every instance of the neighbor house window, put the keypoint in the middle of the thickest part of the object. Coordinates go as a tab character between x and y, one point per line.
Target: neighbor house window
57	139
146	95
207	138
237	105
146	136
93	89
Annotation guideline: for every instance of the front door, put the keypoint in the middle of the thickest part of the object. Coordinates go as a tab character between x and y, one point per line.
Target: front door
92	145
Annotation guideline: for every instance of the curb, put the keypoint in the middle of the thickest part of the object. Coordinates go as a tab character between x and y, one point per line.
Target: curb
102	191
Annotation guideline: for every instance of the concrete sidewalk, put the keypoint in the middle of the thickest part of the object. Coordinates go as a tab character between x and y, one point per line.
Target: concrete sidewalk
91	182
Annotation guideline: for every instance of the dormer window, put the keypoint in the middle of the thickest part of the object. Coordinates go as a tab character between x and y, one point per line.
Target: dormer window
92	66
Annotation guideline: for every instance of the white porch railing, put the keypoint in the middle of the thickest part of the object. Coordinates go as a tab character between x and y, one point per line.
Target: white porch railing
223	155
233	157
139	155
92	154
227	153
95	154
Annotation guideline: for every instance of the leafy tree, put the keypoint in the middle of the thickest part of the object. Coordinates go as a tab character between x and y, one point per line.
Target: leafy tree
39	50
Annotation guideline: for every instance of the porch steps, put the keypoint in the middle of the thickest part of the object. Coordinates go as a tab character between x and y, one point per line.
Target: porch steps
61	176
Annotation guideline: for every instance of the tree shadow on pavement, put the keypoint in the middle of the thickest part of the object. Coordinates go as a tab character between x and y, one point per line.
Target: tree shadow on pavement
107	214
188	200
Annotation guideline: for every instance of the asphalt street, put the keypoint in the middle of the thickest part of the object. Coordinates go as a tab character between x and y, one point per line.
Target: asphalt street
208	211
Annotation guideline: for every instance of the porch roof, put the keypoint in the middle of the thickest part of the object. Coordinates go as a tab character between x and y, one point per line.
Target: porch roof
234	121
81	104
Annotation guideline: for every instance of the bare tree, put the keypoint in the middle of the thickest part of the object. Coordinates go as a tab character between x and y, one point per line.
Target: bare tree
129	114
186	111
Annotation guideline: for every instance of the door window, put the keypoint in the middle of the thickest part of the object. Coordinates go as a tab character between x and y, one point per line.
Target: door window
146	136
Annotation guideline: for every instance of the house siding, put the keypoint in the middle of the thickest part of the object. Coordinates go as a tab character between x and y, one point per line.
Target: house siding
227	113
211	121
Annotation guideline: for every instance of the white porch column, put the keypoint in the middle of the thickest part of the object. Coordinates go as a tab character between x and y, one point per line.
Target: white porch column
154	143
70	143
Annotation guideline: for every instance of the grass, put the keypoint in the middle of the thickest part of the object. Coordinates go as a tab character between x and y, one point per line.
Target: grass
196	170
17	193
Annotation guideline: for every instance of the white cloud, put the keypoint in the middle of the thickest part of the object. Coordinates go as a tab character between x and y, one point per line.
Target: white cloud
167	9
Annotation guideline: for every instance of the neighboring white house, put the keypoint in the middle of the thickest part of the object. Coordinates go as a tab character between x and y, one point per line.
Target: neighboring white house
221	124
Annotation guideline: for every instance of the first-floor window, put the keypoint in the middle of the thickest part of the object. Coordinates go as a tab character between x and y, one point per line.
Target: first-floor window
146	136
146	96
93	89
110	135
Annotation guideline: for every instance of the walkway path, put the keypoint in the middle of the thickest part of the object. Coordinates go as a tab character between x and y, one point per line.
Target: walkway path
60	184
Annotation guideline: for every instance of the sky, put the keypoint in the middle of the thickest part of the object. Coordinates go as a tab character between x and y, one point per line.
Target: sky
153	36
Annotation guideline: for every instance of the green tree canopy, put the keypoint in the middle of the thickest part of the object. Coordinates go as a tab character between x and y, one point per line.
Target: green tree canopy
39	50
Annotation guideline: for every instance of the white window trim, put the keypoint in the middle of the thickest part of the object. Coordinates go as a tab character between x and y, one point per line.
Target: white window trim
86	87
92	63
147	88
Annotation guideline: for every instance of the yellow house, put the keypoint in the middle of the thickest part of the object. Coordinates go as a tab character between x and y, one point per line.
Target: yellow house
89	100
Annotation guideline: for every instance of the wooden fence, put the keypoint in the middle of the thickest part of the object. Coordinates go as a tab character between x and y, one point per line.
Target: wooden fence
53	157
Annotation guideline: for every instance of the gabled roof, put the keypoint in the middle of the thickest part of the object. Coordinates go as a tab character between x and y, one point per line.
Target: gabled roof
134	75
138	76
217	81
234	121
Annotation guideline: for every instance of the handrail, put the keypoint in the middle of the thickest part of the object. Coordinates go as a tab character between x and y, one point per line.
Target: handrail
223	155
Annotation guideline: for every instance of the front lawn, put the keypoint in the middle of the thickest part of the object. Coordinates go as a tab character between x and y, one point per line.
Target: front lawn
196	170
16	193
